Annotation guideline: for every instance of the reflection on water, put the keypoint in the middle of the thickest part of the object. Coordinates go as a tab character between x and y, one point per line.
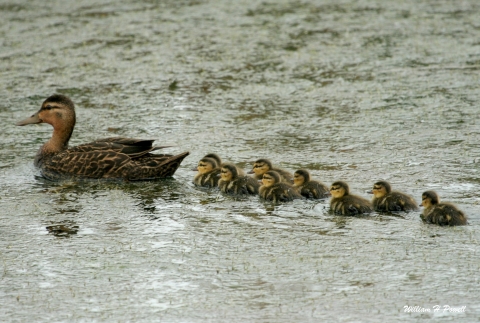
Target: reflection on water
356	91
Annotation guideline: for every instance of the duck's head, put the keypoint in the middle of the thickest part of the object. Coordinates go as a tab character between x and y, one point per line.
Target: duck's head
380	189
270	178
57	110
339	189
205	165
300	177
429	198
228	172
260	167
214	157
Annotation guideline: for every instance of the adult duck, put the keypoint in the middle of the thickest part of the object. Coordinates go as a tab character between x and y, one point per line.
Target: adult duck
110	158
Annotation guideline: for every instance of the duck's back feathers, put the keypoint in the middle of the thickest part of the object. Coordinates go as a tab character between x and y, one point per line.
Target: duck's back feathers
350	205
313	190
395	201
241	185
109	164
279	192
444	214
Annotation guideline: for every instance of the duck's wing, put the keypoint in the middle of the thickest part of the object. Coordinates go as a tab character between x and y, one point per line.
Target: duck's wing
110	164
129	146
284	193
314	190
86	164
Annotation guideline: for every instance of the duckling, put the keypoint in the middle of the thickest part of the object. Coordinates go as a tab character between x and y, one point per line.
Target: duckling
440	213
215	157
233	182
276	191
208	173
345	204
309	188
384	199
261	166
129	159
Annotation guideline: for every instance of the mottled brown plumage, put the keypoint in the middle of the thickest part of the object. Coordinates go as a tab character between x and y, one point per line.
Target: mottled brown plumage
384	199
208	173
276	191
345	204
261	166
110	158
309	188
233	182
440	213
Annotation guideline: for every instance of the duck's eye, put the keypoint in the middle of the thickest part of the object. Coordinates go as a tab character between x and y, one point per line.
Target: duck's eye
48	107
334	188
224	171
376	188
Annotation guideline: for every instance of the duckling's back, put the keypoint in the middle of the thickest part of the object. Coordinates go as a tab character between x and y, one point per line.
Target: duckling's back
395	201
313	190
279	192
445	214
350	205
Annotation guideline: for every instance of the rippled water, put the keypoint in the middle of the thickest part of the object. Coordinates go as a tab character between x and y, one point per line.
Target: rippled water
352	90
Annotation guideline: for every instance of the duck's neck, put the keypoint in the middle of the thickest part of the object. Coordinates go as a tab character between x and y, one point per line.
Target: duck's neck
59	141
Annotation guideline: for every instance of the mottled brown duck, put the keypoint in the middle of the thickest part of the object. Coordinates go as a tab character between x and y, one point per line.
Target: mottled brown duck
440	213
342	202
233	182
110	158
276	191
385	200
261	166
208	173
309	188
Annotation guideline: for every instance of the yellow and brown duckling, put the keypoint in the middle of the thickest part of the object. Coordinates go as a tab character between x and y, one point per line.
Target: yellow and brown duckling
384	199
208	173
275	190
261	166
309	188
342	202
232	181
110	158
440	213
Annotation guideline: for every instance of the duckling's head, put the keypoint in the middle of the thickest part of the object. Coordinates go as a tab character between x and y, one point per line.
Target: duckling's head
300	177
229	172
339	189
261	166
57	110
380	189
429	198
205	165
214	157
270	178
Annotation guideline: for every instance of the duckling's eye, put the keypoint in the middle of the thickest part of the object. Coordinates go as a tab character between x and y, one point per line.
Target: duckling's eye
334	188
48	107
224	171
376	188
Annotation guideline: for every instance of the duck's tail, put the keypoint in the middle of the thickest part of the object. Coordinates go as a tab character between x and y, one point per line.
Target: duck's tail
156	166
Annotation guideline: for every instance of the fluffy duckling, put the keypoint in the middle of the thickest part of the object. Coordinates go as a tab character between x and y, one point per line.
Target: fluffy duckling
384	199
208	173
214	157
440	213
276	191
345	204
307	187
261	166
232	181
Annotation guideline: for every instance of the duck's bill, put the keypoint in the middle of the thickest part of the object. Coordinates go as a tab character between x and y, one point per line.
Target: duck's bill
251	172
31	120
370	192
